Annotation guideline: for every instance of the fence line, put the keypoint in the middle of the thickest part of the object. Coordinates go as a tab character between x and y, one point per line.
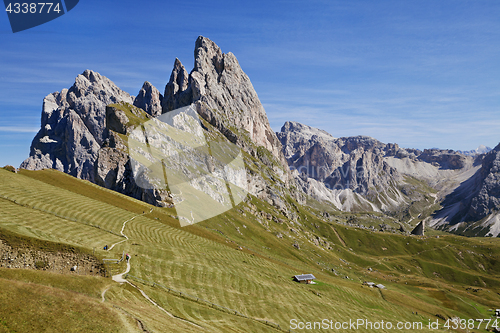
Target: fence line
208	303
113	260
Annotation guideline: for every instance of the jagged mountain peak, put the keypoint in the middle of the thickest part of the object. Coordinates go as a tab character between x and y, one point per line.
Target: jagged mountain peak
91	82
149	99
83	128
93	76
293	126
207	55
176	94
296	138
89	96
356	173
73	126
345	171
474	205
224	96
360	141
329	167
179	74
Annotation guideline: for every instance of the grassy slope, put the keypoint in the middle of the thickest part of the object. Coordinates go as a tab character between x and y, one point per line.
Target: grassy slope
37	301
429	276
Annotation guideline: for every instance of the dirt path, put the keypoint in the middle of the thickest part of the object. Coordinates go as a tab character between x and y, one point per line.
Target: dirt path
468	304
103	299
119	278
123	228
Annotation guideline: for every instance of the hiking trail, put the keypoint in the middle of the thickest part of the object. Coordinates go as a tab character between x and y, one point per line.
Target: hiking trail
119	277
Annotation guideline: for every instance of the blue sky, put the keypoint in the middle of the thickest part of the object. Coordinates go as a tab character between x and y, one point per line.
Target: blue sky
422	74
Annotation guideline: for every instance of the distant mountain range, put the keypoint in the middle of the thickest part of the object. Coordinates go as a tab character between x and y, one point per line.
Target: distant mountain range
482	149
85	131
363	174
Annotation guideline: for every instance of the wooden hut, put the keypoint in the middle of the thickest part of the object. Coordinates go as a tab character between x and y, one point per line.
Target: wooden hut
304	278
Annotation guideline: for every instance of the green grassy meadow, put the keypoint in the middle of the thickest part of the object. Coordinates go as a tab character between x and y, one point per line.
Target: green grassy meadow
235	260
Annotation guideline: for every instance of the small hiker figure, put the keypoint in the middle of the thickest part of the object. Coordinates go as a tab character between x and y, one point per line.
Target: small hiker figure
105	247
127	257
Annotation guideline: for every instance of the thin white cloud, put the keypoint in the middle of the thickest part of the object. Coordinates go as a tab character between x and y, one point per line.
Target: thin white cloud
17	129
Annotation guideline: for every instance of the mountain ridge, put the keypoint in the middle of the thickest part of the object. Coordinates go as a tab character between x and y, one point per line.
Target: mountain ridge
381	184
84	131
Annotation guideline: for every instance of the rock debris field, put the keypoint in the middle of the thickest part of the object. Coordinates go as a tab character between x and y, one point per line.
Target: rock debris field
65	263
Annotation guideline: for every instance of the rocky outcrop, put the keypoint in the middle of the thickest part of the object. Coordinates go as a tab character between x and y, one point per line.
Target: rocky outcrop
224	96
177	93
475	199
487	199
64	141
445	159
419	229
393	149
78	134
296	137
89	96
149	99
73	126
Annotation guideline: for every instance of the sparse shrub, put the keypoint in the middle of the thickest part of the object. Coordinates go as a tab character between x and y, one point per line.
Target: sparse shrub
41	264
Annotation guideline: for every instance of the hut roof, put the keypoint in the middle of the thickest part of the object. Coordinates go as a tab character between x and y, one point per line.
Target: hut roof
304	277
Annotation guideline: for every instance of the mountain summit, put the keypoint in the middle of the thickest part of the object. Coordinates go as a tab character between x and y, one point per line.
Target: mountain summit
73	126
223	96
85	129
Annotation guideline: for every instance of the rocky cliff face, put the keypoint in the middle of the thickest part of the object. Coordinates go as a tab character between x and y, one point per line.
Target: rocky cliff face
474	206
224	96
74	136
84	129
352	170
73	126
445	159
487	199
